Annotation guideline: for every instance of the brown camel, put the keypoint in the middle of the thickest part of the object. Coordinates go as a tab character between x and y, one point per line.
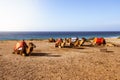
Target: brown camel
99	41
69	43
102	42
51	40
25	51
58	42
61	43
30	48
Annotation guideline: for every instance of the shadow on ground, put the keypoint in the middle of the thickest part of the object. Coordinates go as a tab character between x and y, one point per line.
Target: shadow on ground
105	50
45	54
74	47
110	51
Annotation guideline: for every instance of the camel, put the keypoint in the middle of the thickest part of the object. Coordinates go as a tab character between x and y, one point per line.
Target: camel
68	42
30	48
78	42
111	44
51	40
98	41
25	51
102	42
59	42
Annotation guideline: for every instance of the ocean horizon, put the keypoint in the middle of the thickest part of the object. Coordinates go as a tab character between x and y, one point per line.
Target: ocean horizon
17	35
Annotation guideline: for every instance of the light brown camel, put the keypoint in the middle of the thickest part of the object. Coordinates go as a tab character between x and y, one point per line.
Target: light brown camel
102	42
25	51
30	48
59	42
51	40
78	42
69	43
99	41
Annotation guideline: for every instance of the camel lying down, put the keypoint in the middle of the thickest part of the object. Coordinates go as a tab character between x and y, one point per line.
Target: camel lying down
68	42
25	51
51	40
78	43
111	44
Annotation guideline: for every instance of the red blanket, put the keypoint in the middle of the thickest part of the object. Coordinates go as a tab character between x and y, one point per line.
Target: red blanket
19	45
99	40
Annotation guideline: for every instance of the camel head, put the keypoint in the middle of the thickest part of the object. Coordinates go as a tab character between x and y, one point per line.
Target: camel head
30	47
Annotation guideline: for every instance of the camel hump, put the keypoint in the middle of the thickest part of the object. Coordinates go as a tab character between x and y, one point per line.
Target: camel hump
19	45
16	46
99	40
59	40
51	40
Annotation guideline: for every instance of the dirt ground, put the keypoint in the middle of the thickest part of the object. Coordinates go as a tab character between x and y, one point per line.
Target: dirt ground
49	63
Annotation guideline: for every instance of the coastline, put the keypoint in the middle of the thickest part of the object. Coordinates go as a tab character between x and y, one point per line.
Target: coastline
108	39
114	37
46	35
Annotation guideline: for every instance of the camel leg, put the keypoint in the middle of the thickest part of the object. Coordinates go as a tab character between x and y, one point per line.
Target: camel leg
23	52
17	52
62	45
13	52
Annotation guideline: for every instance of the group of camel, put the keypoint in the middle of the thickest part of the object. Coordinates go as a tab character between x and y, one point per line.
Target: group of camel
67	42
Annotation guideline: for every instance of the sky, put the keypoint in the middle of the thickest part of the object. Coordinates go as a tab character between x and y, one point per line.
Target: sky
59	15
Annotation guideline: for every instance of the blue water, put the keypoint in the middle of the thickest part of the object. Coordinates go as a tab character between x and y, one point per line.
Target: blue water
46	35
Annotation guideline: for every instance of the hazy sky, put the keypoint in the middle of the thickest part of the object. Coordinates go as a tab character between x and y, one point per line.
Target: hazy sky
59	15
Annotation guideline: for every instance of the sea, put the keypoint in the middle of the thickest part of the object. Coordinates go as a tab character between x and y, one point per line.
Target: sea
56	34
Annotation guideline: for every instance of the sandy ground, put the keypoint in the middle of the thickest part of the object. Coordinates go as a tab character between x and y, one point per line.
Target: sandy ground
50	63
